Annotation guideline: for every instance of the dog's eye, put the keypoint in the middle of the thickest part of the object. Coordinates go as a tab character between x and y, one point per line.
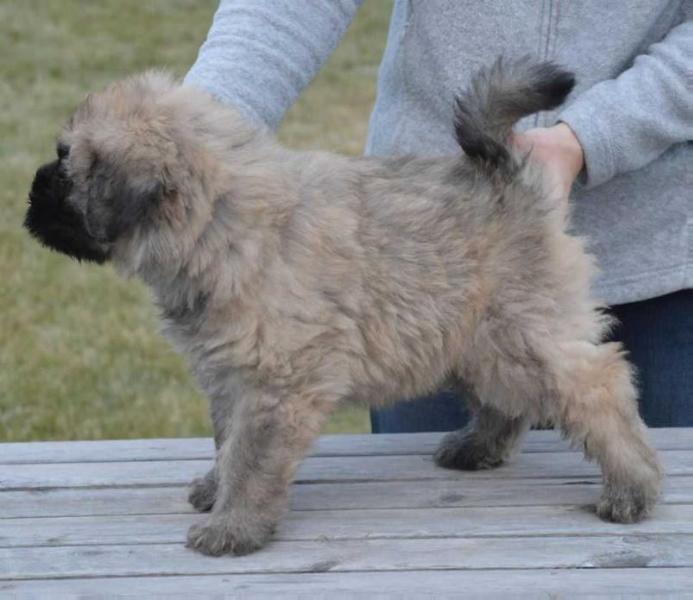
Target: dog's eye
63	150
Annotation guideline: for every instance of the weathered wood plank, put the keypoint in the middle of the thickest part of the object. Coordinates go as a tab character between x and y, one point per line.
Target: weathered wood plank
328	445
352	524
313	469
316	496
372	510
496	583
345	556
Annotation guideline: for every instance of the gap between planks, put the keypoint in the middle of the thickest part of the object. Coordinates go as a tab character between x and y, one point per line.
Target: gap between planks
354	556
414	468
326	446
374	495
531	521
521	583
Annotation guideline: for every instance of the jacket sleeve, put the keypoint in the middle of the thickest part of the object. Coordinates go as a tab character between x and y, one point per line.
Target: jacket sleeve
260	54
627	122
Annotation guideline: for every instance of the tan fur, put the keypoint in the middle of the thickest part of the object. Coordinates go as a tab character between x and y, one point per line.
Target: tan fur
294	282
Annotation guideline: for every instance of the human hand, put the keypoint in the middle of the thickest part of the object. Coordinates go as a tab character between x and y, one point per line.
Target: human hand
558	150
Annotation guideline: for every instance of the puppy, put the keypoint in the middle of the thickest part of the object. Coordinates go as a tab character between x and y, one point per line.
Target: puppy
295	281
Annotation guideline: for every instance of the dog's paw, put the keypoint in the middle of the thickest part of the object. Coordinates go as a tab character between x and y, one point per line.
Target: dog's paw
216	536
202	492
626	504
467	452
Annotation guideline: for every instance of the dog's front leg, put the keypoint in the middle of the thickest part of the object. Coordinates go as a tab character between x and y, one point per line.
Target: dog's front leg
268	436
203	490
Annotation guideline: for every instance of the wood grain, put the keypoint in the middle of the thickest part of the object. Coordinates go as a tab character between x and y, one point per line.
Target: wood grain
368	514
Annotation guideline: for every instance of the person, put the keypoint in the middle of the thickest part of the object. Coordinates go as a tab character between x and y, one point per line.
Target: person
621	142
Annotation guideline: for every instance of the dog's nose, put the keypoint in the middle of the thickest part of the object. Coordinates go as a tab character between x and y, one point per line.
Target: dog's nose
45	174
49	182
43	180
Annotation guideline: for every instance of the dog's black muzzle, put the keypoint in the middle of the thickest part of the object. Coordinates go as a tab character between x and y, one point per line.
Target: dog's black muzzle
53	222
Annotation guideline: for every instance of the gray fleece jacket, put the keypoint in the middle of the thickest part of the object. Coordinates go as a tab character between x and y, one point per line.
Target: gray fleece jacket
632	109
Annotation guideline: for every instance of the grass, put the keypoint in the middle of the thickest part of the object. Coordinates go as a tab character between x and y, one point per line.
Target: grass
80	352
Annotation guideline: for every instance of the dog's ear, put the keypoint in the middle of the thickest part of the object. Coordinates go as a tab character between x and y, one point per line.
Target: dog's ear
119	206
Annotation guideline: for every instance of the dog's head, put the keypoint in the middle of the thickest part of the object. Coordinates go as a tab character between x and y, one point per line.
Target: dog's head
129	162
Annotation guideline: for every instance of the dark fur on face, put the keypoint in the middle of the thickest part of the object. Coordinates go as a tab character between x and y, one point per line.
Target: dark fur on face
99	191
53	221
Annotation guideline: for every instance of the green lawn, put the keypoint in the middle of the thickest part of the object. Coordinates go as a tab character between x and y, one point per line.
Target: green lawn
80	353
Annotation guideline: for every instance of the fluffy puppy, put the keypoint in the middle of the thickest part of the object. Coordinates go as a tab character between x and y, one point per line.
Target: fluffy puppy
294	281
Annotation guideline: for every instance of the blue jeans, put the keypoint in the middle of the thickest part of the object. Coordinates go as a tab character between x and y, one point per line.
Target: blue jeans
658	335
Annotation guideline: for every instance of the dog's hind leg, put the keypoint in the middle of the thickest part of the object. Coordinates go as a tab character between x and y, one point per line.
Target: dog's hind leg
597	409
520	367
486	442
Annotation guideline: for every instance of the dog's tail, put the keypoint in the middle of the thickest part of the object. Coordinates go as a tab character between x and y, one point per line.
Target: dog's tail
496	99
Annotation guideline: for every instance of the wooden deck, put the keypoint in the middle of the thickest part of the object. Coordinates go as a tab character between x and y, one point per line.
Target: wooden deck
371	516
